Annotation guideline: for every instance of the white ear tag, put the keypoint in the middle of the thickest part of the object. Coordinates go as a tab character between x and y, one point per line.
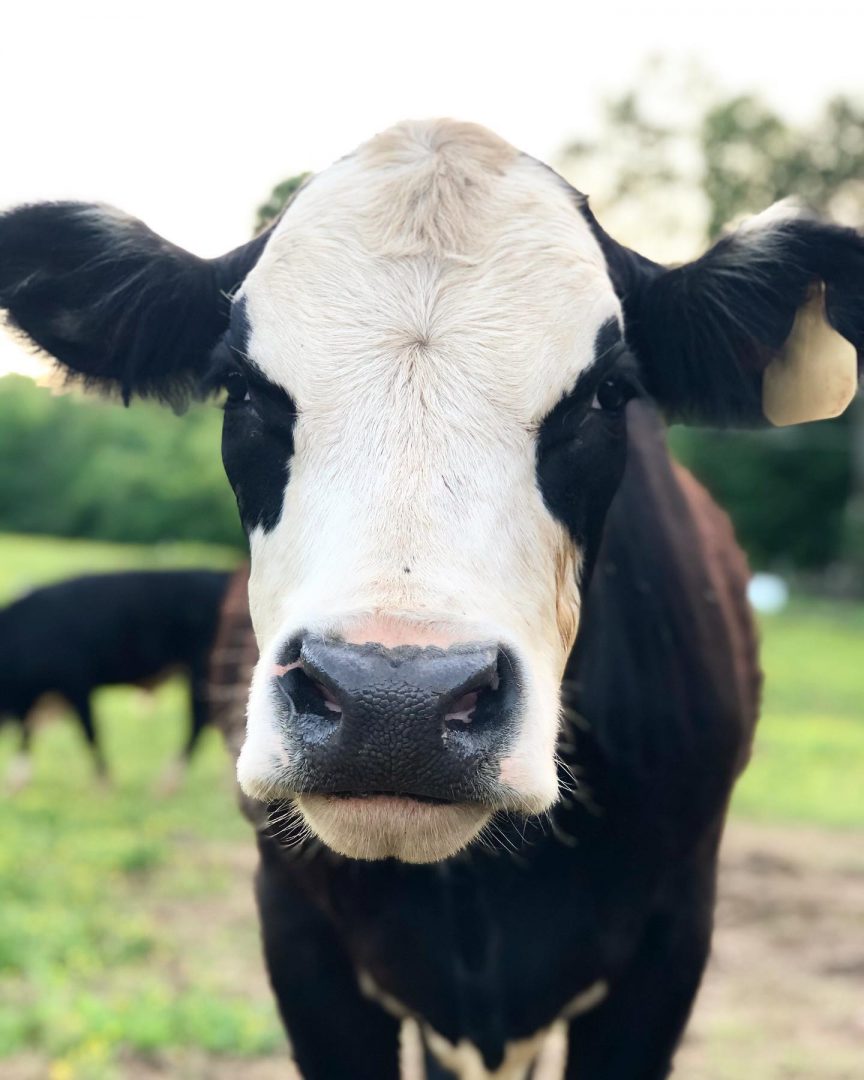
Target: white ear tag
816	374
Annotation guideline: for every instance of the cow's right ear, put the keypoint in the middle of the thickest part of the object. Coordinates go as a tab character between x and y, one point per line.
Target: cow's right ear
111	301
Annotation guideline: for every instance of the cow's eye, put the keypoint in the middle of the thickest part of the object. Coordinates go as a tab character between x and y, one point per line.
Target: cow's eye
236	386
612	395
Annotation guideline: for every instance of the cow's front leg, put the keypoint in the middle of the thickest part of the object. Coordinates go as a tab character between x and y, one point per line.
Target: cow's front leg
633	1034
335	1032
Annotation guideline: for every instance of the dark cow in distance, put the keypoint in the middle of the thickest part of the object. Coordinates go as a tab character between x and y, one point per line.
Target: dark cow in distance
507	673
124	628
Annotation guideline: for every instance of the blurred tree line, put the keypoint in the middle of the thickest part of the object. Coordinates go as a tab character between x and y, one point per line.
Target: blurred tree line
277	200
78	467
796	495
72	465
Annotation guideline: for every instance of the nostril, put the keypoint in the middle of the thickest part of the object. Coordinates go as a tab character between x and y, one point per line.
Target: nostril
307	695
475	701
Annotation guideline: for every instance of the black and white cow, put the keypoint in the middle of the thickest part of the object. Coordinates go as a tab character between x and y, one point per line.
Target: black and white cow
507	673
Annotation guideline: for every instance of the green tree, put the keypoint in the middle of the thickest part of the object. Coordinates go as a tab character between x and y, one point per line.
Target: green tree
277	200
73	465
752	159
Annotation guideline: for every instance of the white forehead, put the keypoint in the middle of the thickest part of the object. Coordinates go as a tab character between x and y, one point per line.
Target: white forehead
435	254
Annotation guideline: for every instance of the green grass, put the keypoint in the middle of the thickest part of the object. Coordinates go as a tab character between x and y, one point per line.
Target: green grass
112	933
125	919
808	765
123	915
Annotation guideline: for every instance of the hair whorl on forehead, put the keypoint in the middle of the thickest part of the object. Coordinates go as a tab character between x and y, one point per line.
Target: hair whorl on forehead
434	179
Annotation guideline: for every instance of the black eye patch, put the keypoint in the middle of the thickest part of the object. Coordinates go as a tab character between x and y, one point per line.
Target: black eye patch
257	447
257	430
581	443
599	396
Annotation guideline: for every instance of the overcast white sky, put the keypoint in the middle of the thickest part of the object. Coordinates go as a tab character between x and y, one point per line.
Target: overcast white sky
186	113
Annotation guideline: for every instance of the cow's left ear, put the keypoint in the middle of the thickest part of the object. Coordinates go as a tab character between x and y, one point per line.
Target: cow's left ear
768	325
112	301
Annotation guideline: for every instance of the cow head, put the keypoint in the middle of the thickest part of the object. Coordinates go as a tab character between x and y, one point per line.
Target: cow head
428	362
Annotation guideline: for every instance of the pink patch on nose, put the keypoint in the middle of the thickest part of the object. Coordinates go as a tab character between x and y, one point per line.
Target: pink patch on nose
282	669
394	632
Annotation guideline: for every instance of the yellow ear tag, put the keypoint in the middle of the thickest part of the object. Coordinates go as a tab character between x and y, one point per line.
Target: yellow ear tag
816	374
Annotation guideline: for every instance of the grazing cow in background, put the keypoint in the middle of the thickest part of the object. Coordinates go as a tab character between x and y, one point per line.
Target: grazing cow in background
491	612
131	627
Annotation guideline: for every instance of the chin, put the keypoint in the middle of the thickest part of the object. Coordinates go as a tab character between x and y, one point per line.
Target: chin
375	827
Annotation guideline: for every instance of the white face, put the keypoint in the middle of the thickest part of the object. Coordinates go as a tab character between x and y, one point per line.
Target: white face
425	303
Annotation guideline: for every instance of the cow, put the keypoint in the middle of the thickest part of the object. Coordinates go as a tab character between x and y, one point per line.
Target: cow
507	672
129	627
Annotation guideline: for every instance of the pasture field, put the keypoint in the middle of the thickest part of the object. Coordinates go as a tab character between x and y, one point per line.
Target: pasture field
128	945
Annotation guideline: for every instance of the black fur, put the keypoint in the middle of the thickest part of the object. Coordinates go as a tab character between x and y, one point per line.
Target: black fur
116	304
107	629
581	450
258	428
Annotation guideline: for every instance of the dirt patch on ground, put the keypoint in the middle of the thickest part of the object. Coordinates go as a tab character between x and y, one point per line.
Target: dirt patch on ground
783	998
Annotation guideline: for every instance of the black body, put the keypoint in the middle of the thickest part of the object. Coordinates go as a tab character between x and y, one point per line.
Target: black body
108	629
618	885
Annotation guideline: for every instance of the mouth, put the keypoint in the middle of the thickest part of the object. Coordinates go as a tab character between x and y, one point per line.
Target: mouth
378	825
393	796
